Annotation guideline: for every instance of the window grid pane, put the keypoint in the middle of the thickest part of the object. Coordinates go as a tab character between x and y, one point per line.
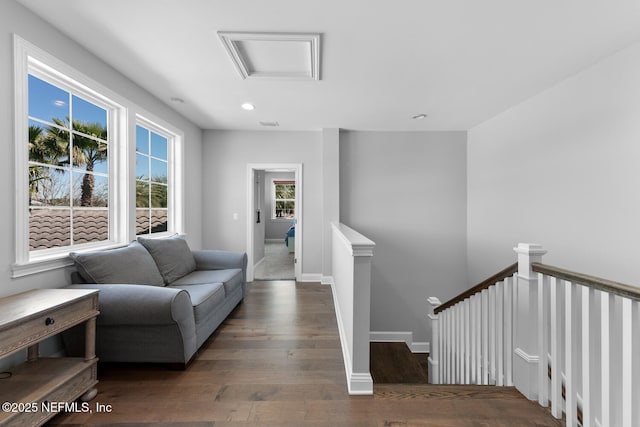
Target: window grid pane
68	168
152	179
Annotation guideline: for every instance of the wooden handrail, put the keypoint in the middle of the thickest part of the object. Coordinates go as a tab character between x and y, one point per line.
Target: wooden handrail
590	281
509	271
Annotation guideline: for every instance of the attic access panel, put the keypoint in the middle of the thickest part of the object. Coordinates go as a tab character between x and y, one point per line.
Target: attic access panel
274	55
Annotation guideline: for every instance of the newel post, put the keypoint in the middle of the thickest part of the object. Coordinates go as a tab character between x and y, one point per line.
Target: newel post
434	347
526	354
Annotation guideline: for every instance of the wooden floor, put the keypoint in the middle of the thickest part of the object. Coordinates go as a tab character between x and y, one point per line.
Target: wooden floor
393	363
277	362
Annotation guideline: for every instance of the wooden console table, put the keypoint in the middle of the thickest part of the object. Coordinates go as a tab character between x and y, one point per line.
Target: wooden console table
36	390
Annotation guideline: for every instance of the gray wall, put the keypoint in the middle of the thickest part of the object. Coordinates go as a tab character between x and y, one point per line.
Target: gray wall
562	170
16	19
227	154
275	228
259	227
406	191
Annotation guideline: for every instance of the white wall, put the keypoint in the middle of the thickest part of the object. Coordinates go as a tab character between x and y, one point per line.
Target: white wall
227	153
562	170
406	191
16	19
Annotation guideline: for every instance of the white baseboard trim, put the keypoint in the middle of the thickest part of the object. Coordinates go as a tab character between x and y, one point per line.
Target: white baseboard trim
526	357
311	277
327	280
257	264
407	337
274	240
358	383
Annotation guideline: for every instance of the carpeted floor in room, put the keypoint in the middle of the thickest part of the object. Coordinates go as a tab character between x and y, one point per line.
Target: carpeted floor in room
277	263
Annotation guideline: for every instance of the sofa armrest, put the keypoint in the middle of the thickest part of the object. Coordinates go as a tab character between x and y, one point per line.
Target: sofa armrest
142	305
219	260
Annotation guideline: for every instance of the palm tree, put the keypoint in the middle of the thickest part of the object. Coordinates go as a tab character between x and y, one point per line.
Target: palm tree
43	149
87	151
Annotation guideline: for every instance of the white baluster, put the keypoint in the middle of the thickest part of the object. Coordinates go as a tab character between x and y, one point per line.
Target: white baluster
555	346
473	336
499	333
605	358
485	337
586	293
447	345
479	338
456	343
492	335
508	330
543	331
570	396
467	341
627	364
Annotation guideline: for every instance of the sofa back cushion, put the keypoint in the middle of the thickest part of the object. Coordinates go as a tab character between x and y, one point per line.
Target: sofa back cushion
172	256
131	264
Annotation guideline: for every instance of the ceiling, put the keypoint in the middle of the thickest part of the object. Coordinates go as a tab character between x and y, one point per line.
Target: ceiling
460	62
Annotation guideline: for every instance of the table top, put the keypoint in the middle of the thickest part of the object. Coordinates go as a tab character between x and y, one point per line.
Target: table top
22	306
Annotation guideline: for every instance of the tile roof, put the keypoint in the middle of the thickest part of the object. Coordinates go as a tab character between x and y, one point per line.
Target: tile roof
50	228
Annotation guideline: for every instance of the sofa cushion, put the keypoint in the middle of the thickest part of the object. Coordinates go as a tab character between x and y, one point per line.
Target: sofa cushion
131	264
172	256
204	298
231	278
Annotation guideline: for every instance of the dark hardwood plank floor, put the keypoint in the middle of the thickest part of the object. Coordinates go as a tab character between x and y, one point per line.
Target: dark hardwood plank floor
393	363
277	361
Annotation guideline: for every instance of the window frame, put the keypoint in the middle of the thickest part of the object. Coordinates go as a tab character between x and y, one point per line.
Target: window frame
30	60
275	182
123	117
174	175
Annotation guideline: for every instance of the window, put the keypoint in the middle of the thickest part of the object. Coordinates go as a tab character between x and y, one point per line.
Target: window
74	159
152	179
284	199
68	167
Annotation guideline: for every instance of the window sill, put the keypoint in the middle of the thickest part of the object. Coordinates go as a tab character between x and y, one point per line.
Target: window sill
52	261
40	266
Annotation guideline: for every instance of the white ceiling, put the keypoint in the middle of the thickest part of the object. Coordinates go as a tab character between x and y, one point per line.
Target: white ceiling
459	61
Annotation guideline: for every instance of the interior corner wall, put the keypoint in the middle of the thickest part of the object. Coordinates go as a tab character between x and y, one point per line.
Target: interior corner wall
561	170
226	154
406	191
14	18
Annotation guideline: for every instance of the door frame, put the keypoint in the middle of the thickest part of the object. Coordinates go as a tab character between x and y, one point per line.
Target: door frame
251	208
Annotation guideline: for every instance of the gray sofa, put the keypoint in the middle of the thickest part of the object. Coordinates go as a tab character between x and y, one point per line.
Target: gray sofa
159	301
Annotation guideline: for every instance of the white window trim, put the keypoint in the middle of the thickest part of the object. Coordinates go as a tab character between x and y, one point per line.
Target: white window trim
31	59
273	201
175	181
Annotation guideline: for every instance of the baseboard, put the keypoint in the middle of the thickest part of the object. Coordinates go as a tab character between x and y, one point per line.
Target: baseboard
327	280
407	337
311	277
274	240
257	264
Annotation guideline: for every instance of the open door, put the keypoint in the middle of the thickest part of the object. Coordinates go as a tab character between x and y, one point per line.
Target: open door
257	216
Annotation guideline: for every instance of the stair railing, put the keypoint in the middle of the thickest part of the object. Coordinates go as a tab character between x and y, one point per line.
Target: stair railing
568	340
472	334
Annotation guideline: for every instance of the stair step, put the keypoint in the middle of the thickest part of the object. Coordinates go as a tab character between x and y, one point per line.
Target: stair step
444	392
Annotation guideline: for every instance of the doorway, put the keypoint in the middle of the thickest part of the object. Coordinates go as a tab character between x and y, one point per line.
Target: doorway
274	221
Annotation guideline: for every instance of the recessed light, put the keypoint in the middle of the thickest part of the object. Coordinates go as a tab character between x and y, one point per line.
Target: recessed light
269	124
177	100
419	116
248	106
